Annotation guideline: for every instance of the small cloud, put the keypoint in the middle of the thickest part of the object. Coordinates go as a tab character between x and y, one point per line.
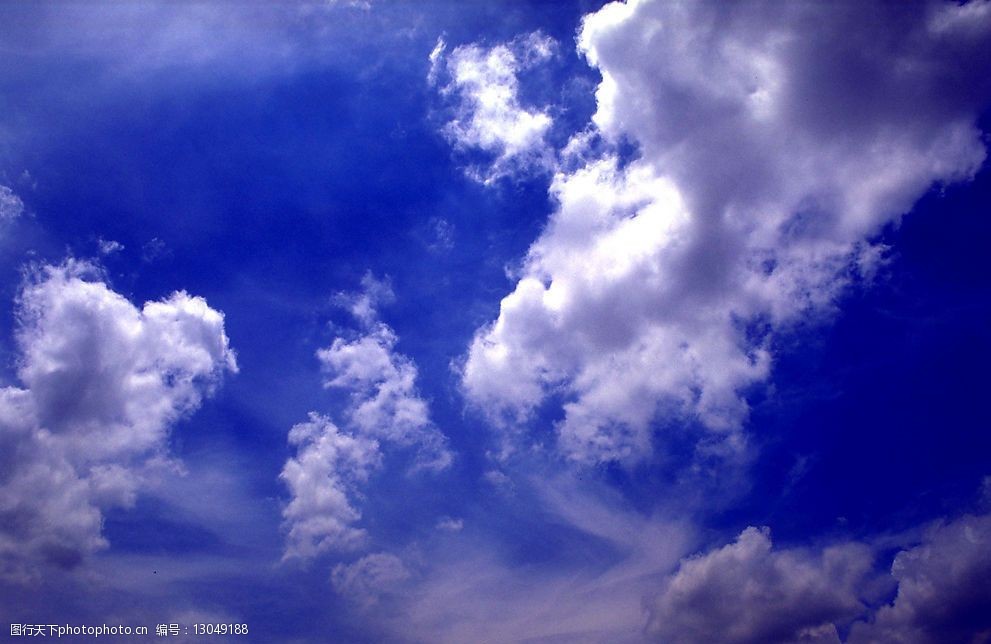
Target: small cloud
443	235
436	58
497	479
488	115
447	524
155	250
27	180
364	304
364	5
109	246
11	206
367	579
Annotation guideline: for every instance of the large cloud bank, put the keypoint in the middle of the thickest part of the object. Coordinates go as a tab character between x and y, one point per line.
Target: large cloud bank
749	592
774	142
944	588
102	382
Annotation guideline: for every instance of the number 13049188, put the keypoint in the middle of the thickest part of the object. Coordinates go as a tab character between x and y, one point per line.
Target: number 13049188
220	629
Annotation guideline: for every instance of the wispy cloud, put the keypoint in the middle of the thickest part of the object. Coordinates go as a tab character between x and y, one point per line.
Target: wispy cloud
11	206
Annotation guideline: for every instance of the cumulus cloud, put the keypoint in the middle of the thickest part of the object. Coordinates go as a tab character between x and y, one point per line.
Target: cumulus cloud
382	386
384	403
748	592
321	477
774	142
102	381
944	589
383	410
488	114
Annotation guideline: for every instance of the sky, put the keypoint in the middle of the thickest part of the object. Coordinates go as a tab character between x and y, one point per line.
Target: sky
367	321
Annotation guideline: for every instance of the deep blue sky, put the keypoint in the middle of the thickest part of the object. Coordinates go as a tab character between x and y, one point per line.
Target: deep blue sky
272	170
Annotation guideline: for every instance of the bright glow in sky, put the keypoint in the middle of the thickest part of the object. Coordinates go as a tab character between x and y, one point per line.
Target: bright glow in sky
497	322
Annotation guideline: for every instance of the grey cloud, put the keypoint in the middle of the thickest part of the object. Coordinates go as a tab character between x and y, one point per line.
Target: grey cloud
749	592
774	142
944	589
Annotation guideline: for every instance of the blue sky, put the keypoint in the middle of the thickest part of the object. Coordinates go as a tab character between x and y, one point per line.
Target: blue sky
542	322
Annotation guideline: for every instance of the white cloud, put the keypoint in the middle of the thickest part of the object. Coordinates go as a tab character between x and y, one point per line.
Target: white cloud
109	246
370	577
364	5
747	592
11	206
321	479
364	304
384	403
773	144
488	113
448	524
382	385
102	383
944	588
442	235
383	411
